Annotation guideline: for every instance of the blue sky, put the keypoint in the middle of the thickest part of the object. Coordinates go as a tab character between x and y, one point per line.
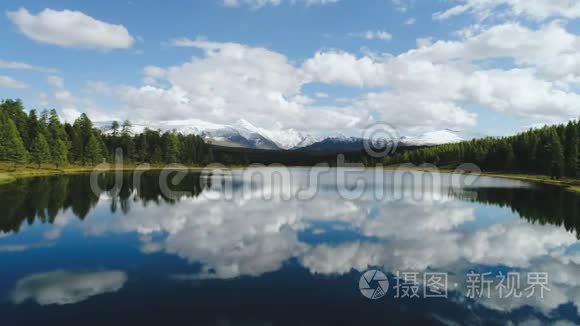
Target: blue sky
485	67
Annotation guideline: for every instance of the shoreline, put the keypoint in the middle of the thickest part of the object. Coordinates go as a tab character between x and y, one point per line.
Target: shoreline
8	174
566	183
572	185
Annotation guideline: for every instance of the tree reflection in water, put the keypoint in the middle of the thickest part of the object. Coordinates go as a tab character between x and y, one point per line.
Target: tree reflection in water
40	199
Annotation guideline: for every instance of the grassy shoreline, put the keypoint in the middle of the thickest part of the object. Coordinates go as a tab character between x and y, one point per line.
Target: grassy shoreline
9	173
569	184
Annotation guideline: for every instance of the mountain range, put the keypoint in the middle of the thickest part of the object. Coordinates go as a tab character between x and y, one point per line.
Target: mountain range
244	134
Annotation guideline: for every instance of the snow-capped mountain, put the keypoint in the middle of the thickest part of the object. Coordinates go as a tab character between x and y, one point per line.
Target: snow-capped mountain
284	139
244	134
240	134
336	143
431	138
344	143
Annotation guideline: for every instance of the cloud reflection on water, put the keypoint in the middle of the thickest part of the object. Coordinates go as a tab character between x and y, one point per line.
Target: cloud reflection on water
62	287
250	236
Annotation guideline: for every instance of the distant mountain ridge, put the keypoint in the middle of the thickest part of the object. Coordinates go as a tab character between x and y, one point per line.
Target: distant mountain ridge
246	135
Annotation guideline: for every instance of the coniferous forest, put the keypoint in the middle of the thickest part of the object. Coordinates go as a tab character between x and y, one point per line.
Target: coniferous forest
40	138
551	150
43	139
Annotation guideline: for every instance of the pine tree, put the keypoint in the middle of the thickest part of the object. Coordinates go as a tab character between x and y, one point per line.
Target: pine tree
40	151
102	147
127	143
153	140
508	156
571	149
531	152
555	155
170	147
57	140
55	127
76	153
12	148
47	140
112	140
83	131
44	117
141	148
93	150
33	128
551	149
84	126
60	153
14	110
208	153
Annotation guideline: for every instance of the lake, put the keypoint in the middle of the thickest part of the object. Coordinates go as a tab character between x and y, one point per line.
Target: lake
288	248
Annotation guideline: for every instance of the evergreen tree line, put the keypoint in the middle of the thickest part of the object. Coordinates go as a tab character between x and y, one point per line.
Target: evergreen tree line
552	150
45	140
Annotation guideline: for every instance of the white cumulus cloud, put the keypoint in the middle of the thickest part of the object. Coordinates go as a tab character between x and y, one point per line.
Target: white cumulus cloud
227	81
70	29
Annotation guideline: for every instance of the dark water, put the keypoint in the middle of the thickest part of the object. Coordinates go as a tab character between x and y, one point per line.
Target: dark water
251	255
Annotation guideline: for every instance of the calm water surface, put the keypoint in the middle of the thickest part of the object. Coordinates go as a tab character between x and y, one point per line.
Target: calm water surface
137	254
